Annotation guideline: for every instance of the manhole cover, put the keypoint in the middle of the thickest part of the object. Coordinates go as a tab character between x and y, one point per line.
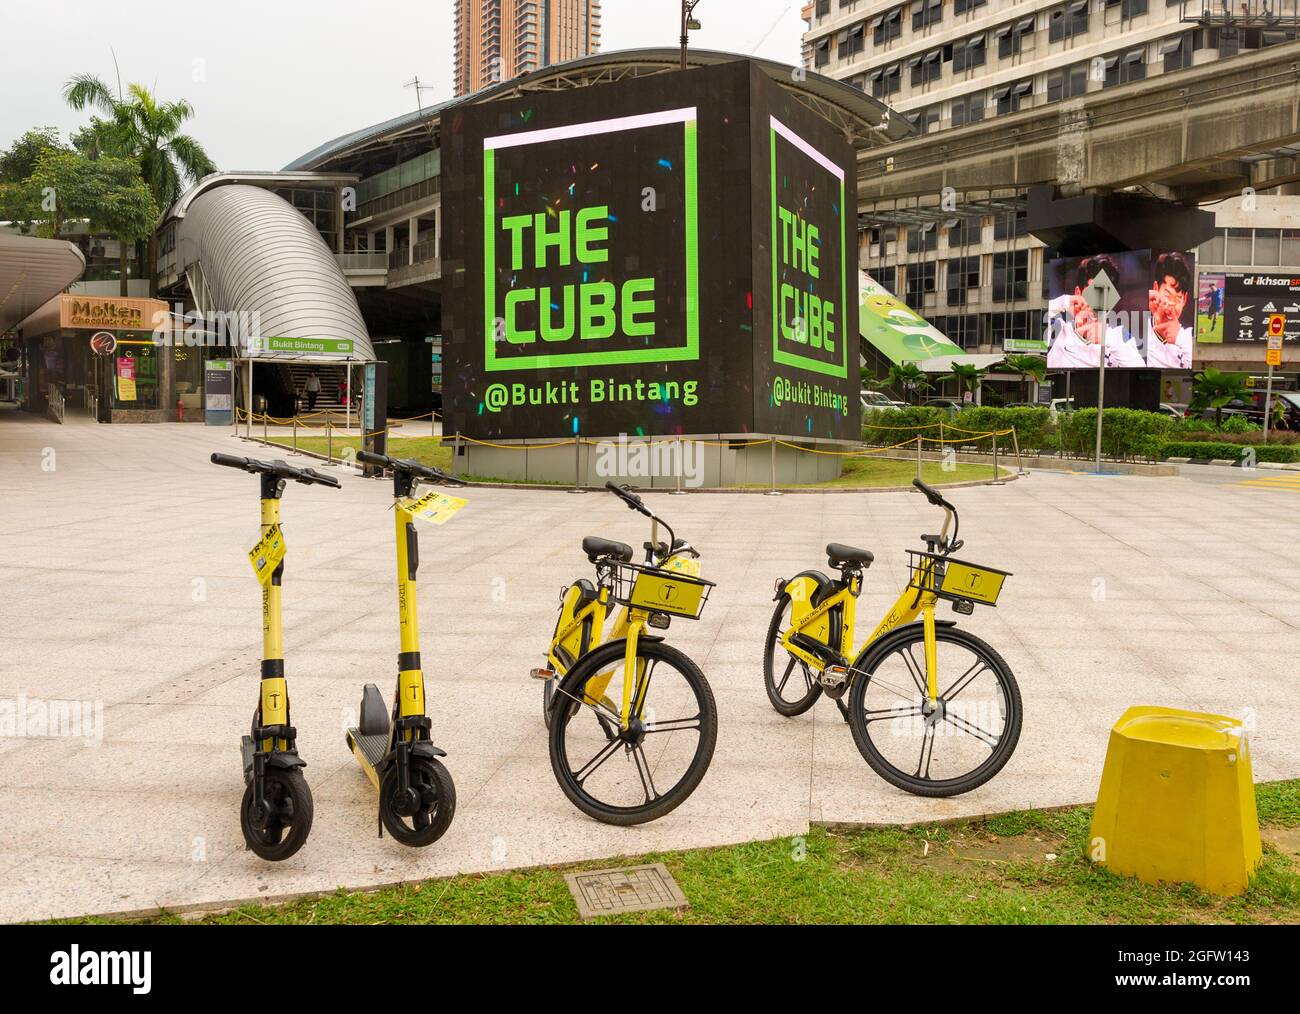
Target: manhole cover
630	889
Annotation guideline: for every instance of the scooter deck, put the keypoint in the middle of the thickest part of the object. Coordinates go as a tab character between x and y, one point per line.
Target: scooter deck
373	747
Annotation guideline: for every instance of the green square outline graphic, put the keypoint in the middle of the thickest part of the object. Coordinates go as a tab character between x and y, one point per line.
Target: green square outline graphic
789	358
683	353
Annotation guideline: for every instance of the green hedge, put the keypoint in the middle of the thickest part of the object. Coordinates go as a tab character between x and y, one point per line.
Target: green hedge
1127	433
1230	452
1033	426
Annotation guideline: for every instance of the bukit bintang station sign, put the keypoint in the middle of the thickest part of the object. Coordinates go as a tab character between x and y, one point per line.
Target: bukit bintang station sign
662	255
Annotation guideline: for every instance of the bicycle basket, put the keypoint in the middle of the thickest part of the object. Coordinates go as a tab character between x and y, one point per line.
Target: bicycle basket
955	580
660	591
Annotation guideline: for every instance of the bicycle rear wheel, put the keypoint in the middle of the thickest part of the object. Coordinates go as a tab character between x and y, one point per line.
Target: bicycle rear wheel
791	686
634	775
947	749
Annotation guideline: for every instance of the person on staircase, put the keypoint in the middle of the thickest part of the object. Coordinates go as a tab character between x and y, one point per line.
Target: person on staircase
313	391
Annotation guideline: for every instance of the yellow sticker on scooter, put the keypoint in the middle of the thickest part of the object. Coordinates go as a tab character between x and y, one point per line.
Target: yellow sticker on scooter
267	554
435	507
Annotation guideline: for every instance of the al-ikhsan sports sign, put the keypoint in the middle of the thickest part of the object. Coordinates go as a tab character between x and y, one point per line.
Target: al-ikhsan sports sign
811	325
587	264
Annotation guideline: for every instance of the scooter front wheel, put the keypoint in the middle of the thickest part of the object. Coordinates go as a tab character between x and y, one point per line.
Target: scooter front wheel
432	813
288	822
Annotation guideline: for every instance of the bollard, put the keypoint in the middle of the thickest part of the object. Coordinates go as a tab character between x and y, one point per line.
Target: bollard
997	479
265	438
681	467
433	424
329	440
295	434
918	456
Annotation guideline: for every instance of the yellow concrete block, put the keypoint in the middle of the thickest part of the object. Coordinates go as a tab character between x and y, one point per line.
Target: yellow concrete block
1177	801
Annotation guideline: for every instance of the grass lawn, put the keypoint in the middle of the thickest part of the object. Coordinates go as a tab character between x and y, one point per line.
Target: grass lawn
859	473
991	871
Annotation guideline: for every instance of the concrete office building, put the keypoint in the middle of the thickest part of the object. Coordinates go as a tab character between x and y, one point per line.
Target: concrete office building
497	40
952	64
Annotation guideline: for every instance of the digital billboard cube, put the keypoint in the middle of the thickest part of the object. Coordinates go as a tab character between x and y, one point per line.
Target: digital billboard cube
664	255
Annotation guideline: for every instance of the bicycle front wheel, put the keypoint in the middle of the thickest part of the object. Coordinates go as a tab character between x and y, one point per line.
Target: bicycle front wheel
943	749
638	774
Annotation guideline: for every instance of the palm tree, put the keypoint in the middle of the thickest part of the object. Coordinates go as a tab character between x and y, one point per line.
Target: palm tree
1028	367
1215	389
146	130
968	377
909	377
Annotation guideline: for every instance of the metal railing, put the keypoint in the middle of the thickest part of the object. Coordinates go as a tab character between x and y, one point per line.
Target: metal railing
424	251
362	261
399	198
54	403
1264	14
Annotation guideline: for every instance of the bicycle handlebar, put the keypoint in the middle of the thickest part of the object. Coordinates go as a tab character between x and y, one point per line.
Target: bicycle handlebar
410	467
932	494
280	469
633	501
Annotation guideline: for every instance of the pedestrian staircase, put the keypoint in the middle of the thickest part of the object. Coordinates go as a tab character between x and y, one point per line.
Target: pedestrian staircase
329	398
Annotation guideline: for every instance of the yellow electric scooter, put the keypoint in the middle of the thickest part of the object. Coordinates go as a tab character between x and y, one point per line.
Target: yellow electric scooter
417	798
276	812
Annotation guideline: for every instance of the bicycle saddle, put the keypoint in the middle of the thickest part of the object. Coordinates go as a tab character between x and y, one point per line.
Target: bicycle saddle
839	555
597	548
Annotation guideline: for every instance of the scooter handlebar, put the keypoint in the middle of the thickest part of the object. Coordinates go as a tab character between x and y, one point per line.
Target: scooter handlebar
282	469
410	467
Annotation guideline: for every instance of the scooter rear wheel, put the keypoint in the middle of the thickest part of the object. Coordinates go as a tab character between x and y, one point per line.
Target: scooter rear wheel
437	803
287	829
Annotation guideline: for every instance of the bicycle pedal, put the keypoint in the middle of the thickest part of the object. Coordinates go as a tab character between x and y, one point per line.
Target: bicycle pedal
833	677
542	674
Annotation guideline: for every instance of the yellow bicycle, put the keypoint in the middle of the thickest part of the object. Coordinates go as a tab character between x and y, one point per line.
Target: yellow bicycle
934	709
632	695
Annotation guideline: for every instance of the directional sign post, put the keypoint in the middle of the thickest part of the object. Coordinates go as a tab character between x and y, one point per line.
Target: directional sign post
1102	296
1276	331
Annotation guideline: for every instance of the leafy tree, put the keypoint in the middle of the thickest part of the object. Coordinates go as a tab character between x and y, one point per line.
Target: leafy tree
1213	388
1028	368
142	128
67	186
19	160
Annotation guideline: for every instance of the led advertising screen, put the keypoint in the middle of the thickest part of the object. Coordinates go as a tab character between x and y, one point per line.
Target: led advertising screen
601	251
807	376
1151	324
1236	307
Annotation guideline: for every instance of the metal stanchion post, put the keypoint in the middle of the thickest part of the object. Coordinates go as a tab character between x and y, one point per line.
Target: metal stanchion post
681	467
773	491
997	477
295	434
433	424
1020	465
329	440
577	465
918	455
265	418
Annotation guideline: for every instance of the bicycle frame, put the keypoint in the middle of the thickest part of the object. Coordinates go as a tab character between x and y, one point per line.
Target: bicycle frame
585	629
814	621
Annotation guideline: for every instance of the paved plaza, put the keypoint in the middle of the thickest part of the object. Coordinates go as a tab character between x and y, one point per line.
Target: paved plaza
123	581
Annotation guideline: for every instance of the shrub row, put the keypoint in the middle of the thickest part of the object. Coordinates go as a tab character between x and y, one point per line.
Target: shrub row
1127	434
1232	452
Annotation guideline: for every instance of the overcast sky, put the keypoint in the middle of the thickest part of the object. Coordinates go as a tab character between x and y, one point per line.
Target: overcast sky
270	80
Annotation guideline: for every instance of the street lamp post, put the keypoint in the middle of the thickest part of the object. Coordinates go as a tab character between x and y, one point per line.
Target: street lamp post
1101	296
689	24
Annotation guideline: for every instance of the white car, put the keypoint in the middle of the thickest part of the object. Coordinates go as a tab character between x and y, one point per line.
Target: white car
875	399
